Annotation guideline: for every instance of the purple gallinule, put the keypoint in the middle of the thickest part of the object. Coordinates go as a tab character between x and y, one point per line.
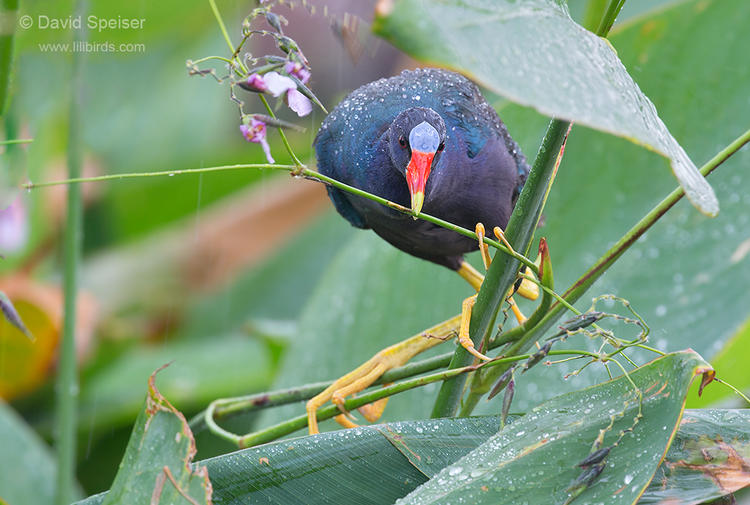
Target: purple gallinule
425	139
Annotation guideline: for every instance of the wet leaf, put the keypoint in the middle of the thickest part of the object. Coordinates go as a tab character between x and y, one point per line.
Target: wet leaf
349	464
367	465
530	43
535	458
709	458
156	467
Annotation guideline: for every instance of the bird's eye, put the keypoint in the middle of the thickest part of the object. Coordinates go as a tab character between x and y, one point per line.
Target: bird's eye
441	147
402	141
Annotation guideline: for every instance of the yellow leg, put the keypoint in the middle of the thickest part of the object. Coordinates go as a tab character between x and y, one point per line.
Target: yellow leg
463	333
527	289
483	248
390	357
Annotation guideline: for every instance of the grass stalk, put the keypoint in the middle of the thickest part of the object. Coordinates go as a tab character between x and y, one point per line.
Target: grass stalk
67	379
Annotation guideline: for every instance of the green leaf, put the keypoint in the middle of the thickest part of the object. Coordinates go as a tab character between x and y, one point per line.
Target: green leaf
28	475
538	56
156	467
349	463
535	459
707	459
201	371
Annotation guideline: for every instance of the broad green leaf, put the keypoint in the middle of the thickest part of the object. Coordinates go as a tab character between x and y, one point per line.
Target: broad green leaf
534	54
156	466
535	459
707	459
28	465
275	290
348	464
201	370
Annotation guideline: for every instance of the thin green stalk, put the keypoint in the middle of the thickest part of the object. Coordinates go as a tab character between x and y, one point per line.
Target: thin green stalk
307	173
300	422
15	141
8	23
613	9
482	381
222	27
594	13
169	173
228	407
502	272
282	135
67	380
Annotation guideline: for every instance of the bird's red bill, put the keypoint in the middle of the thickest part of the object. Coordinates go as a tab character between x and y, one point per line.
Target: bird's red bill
417	172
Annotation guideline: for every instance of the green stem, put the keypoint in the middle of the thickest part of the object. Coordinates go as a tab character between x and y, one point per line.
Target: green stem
305	172
300	422
502	272
67	380
288	147
228	407
15	141
135	175
8	23
613	9
222	27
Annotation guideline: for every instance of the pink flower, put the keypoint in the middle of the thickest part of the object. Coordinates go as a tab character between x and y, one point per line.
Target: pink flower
255	83
279	84
14	227
256	132
297	70
298	102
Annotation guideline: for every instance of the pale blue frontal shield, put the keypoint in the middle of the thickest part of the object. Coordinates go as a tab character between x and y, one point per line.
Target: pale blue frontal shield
424	137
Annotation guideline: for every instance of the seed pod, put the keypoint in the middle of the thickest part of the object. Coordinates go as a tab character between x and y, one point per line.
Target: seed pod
501	383
586	478
274	20
595	457
507	399
578	322
538	356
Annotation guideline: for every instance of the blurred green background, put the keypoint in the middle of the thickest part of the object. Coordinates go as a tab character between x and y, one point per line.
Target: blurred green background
247	280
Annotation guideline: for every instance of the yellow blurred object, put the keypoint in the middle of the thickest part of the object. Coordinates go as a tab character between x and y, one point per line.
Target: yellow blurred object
26	365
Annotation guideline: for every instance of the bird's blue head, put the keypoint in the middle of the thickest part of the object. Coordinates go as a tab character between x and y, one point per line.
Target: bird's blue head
416	139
